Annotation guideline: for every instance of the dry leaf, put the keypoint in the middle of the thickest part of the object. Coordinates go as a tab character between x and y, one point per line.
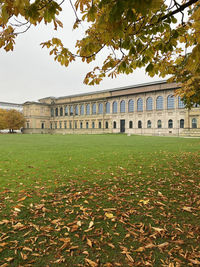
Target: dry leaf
189	209
89	242
91	263
91	224
165	244
109	215
129	257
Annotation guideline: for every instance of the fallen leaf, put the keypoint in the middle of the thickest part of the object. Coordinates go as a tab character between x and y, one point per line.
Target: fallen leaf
91	263
91	224
89	242
189	209
109	215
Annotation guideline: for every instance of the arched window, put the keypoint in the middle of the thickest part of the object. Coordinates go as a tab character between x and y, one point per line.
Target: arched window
149	104
93	125
82	109
61	111
182	123
52	112
27	125
88	109
170	102
148	124
159	103
194	123
100	108
130	105
139	124
106	124
170	123
87	125
99	124
93	108
180	103
114	124
65	124
42	125
81	125
75	124
76	110
130	124
55	124
140	104
70	125
159	124
66	111
107	107
56	112
114	107
60	124
122	106
71	111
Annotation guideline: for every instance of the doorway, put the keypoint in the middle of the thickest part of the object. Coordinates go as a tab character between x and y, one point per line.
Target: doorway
122	126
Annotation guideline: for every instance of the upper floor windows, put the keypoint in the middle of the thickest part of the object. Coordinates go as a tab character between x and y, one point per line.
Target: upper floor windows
94	109
52	112
122	106
66	111
88	109
159	103
56	111
100	108
170	102
114	107
76	110
149	103
82	110
130	105
180	103
140	104
71	111
61	111
107	107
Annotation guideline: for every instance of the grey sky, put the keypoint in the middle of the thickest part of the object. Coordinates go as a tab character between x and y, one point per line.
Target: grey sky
29	73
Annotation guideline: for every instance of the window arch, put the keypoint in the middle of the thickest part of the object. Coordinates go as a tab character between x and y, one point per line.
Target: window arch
93	125
148	124
139	104
42	125
114	124
66	111
82	109
149	103
87	125
71	110
76	110
56	112
159	103
81	125
130	105
106	124
100	108
170	102
139	124
130	124
122	106
182	123
170	123
114	107
88	109
93	108
99	124
61	111
159	124
108	107
180	103
194	123
52	112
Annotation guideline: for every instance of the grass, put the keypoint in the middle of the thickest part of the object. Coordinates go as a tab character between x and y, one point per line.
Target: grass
99	200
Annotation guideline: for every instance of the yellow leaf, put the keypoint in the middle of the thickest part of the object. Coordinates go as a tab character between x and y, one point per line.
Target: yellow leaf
89	242
109	215
144	201
91	224
189	209
91	263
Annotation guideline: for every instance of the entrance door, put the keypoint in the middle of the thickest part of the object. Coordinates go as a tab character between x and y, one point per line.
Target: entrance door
122	126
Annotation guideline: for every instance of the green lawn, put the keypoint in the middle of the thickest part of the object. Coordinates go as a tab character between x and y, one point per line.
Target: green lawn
99	200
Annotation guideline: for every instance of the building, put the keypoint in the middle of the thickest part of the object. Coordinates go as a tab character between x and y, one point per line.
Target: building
146	109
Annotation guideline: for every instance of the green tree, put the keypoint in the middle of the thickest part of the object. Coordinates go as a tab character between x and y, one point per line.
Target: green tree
14	120
161	35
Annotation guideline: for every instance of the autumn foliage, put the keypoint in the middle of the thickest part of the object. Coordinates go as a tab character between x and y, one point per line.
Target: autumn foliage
11	119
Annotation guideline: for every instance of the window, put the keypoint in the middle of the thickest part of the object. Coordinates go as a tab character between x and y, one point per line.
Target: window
100	108
182	123
76	110
71	111
114	124
88	109
99	124
82	109
140	104
139	124
60	125
159	103
56	112
130	124
148	124
107	107
87	125
180	104
159	124
61	111
70	125
75	124
170	123
66	111
52	112
55	124
170	102
27	125
51	125
122	106
94	109
93	125
114	107
130	105
81	125
65	124
149	104
194	123
106	124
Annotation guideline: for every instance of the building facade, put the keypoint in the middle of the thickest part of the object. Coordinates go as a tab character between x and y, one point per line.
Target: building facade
145	109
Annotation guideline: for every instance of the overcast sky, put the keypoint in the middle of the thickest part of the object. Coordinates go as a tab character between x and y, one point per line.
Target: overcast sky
29	73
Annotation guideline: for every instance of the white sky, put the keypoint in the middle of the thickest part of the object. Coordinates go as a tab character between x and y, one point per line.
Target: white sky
30	73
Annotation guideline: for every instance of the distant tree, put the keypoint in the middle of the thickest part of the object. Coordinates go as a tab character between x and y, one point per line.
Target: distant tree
161	35
2	119
14	120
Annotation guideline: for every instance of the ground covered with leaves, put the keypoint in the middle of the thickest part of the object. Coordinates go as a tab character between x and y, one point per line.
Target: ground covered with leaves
104	200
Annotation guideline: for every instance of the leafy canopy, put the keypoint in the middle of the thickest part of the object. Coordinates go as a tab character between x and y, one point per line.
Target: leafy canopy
161	35
11	119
